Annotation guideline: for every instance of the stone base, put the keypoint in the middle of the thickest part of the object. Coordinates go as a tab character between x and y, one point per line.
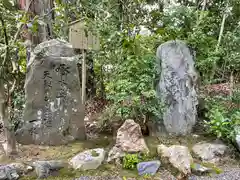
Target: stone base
45	136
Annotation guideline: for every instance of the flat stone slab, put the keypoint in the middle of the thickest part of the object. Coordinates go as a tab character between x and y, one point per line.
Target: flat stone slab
149	168
89	159
210	152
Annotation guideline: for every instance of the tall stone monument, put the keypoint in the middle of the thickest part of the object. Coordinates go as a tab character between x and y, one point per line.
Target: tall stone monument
54	113
177	87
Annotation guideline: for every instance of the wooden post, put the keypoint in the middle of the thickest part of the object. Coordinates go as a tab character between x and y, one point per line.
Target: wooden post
84	74
84	41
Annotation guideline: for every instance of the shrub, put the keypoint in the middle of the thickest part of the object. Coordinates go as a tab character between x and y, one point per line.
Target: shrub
131	86
223	122
130	161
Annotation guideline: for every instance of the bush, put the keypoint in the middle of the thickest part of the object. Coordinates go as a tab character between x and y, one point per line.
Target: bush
223	122
130	161
131	87
236	97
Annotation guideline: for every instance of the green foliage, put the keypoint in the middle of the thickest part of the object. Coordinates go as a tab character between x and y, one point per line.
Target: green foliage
213	167
131	86
130	161
12	50
235	98
17	108
219	124
222	122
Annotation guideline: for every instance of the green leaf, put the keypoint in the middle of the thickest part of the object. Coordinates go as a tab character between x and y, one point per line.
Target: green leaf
7	4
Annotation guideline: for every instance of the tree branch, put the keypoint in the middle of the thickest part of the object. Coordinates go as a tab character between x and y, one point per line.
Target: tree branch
13	87
6	43
219	41
11	44
20	27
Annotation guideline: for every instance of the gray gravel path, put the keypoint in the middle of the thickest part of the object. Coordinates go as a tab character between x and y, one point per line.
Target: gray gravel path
99	178
233	174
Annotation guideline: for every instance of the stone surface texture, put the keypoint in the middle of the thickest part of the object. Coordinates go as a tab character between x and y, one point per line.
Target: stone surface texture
210	152
44	168
149	168
21	168
115	153
89	159
200	169
178	156
129	139
233	174
53	113
177	87
8	173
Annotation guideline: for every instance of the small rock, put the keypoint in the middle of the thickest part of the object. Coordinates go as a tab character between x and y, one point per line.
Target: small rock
29	168
150	167
195	135
18	166
178	156
8	173
90	159
21	168
115	153
199	169
44	168
209	152
129	139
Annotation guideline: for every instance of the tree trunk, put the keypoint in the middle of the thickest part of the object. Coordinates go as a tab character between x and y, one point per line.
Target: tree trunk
10	148
214	68
43	9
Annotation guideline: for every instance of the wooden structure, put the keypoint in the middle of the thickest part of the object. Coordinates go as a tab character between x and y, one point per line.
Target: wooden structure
81	38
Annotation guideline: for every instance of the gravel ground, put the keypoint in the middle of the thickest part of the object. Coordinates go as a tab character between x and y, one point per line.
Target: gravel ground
233	174
100	178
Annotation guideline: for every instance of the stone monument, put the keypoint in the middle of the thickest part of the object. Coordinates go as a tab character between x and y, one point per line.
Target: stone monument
177	87
54	113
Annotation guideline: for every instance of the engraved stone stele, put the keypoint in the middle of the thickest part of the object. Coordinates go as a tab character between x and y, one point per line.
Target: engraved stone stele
53	113
177	87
